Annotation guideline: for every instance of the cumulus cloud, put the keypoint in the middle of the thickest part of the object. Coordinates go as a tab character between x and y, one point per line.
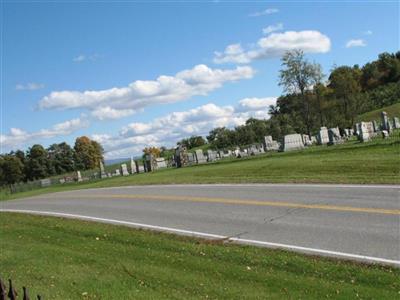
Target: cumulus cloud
29	86
272	28
368	32
117	102
18	137
252	104
267	11
356	43
169	129
275	45
109	113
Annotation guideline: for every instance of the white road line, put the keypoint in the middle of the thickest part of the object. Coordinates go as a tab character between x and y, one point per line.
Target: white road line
299	185
357	257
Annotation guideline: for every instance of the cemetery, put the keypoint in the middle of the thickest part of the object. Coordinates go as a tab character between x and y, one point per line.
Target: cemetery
362	131
271	152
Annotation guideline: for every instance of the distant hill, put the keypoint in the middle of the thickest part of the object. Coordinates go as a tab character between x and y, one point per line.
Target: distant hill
109	162
392	111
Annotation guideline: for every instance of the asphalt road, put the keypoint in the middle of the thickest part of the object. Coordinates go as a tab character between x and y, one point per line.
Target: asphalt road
348	221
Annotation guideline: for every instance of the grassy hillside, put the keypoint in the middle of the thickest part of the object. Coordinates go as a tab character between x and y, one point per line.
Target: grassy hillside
69	259
373	162
392	111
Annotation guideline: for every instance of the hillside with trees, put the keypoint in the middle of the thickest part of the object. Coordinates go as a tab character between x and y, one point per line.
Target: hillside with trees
310	102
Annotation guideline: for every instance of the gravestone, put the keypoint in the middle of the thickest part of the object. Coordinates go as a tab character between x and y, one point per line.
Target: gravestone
141	169
366	131
150	163
334	136
137	166
133	166
323	136
181	156
396	123
201	159
375	126
117	172
313	140
293	142
161	163
385	122
79	176
243	154
45	182
102	172
306	140
385	134
212	155
124	170
192	159
270	144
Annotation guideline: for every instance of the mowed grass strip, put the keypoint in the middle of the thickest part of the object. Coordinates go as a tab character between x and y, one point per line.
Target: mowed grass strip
375	162
70	259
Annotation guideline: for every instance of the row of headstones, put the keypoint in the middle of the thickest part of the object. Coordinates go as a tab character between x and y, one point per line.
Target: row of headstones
150	163
332	136
367	130
325	136
184	158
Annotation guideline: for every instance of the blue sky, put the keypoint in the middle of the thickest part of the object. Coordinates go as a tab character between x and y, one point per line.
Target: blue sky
128	75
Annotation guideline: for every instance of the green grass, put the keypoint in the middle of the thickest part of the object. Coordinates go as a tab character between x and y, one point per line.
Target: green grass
70	259
375	162
392	111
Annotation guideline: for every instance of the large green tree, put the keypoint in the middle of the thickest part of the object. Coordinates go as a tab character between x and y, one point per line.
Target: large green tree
37	163
61	157
298	76
11	169
346	85
88	153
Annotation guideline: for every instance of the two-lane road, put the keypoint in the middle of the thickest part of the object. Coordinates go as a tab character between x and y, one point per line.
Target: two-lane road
349	221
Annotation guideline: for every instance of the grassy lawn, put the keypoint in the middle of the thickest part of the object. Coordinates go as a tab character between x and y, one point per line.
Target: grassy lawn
69	259
392	111
375	162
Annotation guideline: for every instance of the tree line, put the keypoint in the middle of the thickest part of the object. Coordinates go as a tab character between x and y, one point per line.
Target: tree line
39	162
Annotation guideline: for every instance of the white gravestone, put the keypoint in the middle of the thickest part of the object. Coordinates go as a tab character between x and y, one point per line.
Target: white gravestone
79	176
161	163
201	159
102	172
270	144
133	166
323	136
293	142
124	170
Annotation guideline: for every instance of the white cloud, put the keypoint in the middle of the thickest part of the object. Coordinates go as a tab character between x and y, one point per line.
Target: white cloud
79	58
167	130
355	43
83	57
18	137
29	86
109	113
199	80
272	28
267	11
275	45
251	104
368	32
